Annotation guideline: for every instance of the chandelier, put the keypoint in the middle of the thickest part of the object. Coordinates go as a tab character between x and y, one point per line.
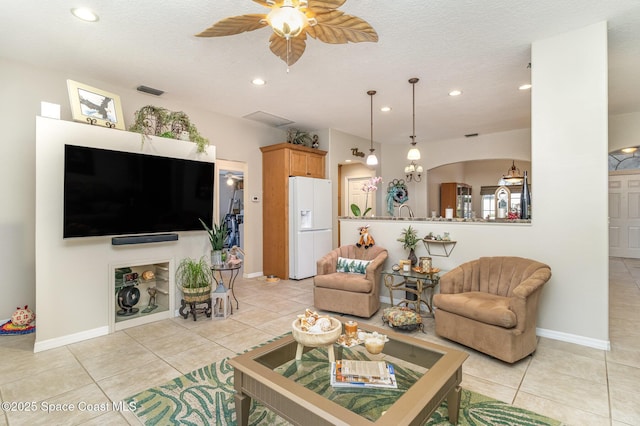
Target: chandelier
512	177
413	171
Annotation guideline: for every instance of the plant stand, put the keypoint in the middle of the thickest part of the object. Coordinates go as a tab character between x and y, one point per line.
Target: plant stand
192	308
192	297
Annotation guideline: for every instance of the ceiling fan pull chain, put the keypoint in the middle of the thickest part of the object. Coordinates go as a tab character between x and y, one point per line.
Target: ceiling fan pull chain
288	50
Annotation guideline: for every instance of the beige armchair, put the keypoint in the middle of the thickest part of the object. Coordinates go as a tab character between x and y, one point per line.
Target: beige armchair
491	304
347	292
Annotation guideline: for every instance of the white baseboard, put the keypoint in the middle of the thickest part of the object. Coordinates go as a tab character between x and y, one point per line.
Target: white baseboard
253	275
604	345
69	339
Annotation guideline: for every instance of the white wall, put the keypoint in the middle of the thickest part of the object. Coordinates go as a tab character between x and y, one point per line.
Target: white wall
569	121
75	277
568	138
624	131
23	87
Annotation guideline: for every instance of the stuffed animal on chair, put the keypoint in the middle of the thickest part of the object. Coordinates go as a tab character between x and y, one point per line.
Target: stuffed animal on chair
365	240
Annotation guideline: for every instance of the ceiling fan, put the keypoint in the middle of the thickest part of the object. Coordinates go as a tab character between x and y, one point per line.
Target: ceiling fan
230	177
292	20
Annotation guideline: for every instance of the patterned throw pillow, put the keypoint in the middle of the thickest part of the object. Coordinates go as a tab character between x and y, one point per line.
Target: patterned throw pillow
353	266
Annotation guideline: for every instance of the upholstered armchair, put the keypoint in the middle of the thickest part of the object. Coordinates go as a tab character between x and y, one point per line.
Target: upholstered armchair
491	304
348	280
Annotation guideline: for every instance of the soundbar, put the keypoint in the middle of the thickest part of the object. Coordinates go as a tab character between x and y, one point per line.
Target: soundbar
143	239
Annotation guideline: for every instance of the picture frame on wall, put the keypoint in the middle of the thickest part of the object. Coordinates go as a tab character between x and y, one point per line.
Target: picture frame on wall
95	106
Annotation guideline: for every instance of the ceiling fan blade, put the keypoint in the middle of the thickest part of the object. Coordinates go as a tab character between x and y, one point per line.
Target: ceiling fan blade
235	25
336	27
324	5
296	47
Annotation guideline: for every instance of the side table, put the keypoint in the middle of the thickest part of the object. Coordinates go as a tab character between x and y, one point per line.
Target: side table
414	283
233	271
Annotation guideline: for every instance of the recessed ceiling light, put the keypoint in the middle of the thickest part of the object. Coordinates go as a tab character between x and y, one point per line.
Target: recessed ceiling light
385	109
455	93
84	14
258	82
629	150
347	161
524	87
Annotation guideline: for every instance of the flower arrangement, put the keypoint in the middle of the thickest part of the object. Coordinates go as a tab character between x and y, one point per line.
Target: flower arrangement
367	187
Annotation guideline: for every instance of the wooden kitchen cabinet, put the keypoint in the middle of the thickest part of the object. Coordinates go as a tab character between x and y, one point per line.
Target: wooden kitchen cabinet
278	163
303	163
456	196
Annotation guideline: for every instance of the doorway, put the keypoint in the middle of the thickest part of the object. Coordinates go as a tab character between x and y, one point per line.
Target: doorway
353	176
624	214
230	201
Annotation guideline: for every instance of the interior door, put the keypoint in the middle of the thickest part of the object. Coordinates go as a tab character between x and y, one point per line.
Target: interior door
355	195
624	215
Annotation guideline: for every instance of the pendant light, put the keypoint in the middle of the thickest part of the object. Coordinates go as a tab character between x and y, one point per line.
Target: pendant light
414	153
372	160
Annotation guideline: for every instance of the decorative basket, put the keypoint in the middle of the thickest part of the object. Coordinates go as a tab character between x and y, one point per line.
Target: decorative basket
194	295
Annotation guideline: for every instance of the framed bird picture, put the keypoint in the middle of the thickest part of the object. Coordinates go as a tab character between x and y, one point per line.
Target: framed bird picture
95	106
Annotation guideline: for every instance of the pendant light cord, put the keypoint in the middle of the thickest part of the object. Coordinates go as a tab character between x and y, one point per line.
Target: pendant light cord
413	82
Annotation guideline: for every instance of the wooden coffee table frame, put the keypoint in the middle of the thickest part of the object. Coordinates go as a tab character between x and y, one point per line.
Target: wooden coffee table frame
292	401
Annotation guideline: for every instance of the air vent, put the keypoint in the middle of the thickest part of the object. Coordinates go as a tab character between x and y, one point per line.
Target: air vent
268	119
150	90
471	135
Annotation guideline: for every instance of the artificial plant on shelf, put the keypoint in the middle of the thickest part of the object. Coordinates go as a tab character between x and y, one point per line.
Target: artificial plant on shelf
158	121
217	235
369	186
409	240
298	137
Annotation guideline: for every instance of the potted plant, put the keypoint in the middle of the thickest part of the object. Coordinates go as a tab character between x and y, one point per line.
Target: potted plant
298	137
217	235
409	240
194	278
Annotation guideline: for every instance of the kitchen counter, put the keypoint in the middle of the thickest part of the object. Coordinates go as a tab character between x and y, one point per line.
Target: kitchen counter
441	220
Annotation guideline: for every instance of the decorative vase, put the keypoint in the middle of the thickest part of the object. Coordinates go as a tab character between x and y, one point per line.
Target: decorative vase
216	257
525	200
412	257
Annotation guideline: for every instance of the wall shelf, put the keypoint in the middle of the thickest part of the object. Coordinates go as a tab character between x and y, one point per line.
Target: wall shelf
439	248
153	305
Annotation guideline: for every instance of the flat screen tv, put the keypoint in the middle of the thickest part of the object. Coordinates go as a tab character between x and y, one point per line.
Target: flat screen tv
121	193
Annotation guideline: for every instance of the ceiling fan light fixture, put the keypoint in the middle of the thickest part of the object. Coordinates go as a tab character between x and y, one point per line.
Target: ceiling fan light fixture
84	14
287	21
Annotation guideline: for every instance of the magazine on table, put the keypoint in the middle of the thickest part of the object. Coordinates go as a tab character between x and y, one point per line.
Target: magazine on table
373	374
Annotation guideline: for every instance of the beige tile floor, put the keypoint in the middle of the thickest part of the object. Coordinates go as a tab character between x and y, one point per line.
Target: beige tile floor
575	384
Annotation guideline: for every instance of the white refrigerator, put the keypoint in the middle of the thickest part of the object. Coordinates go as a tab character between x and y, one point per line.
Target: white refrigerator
309	224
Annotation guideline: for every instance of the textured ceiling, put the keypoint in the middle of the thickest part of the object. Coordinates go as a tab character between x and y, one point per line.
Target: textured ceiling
479	47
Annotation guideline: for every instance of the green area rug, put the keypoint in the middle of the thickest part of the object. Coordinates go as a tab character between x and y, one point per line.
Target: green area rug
205	396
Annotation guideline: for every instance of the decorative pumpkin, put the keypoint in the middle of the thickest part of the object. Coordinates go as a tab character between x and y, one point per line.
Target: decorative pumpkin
23	316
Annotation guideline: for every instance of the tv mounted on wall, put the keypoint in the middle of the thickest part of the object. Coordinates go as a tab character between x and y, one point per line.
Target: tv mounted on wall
122	193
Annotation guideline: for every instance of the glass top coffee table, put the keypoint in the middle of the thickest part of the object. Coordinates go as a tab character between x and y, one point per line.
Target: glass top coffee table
299	391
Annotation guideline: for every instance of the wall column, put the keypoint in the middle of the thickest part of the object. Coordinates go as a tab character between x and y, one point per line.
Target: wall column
569	126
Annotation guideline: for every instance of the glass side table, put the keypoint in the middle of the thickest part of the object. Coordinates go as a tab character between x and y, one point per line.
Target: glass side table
233	271
414	284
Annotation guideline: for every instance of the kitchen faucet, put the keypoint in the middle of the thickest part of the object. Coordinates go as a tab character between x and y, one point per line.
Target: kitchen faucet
400	210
